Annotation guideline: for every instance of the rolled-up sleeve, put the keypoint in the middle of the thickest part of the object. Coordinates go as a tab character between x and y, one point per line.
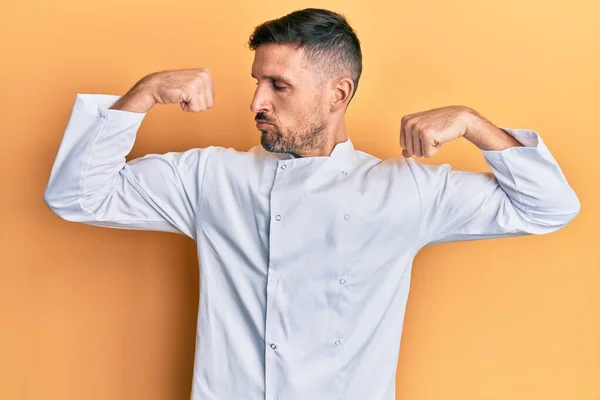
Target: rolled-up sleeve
91	182
526	193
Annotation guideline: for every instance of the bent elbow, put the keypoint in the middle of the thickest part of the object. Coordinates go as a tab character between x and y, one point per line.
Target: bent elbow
572	208
61	205
558	215
53	201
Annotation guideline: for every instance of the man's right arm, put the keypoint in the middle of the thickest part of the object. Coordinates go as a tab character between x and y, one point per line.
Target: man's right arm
91	182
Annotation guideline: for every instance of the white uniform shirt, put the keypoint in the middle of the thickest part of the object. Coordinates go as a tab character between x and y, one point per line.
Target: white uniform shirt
305	262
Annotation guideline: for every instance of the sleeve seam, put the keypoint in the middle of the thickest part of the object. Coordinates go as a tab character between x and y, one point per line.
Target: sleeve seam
512	176
419	194
82	182
201	194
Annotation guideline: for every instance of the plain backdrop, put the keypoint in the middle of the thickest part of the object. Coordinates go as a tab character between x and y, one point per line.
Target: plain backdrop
93	313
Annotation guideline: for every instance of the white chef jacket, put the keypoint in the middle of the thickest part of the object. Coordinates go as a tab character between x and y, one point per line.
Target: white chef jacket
305	262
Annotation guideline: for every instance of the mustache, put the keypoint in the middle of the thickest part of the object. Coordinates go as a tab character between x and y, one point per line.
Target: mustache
262	118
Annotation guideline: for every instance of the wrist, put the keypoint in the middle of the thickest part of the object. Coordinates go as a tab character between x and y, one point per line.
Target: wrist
485	135
474	123
140	98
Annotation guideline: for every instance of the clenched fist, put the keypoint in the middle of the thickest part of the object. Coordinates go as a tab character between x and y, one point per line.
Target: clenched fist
191	88
423	133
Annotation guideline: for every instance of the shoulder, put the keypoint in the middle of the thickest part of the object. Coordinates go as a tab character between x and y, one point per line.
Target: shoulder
384	167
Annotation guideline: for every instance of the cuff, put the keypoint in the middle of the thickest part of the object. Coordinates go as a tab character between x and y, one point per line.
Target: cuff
98	106
530	139
526	137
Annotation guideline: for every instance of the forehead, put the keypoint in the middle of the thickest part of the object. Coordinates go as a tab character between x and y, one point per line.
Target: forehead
278	59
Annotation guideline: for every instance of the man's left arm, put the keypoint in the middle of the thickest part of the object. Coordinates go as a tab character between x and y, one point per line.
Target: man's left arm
527	193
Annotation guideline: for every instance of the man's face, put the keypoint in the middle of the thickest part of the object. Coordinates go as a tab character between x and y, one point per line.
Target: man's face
288	101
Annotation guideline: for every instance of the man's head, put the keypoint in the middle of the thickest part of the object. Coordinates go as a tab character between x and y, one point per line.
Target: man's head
307	65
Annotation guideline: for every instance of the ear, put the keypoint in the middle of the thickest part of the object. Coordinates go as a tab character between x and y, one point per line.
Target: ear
342	89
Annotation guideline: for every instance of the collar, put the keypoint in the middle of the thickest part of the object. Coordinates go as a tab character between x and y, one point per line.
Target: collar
341	151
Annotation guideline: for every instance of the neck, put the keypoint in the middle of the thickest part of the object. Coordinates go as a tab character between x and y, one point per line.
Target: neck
336	134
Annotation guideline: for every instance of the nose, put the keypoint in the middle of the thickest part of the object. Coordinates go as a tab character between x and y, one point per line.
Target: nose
259	101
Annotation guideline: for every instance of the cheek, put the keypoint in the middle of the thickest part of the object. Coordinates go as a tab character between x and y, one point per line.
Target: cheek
286	111
295	111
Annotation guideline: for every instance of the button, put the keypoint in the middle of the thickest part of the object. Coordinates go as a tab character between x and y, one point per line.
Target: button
284	166
342	281
273	346
278	217
344	172
346	217
272	280
337	343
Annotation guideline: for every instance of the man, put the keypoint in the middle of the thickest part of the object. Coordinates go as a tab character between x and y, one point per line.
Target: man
305	243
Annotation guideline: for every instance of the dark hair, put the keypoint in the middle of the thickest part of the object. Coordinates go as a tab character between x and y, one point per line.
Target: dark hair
326	37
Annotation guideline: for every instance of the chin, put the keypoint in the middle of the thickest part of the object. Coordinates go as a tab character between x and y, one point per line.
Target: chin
264	137
268	143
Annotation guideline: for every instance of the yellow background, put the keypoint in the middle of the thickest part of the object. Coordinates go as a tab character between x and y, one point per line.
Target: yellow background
93	313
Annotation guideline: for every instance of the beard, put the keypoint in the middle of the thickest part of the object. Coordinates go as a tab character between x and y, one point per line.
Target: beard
297	140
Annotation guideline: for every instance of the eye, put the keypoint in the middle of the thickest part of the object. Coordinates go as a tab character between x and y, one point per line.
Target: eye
277	87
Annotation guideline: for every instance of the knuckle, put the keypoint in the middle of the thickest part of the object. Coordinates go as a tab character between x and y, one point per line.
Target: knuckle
195	84
426	132
204	75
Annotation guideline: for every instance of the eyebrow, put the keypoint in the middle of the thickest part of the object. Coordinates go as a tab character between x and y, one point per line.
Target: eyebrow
275	78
